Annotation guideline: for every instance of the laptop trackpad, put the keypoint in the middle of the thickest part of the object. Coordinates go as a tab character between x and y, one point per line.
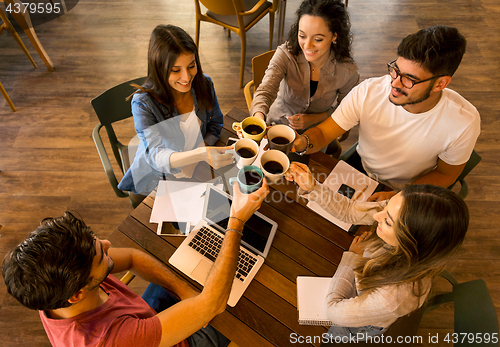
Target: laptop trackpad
201	271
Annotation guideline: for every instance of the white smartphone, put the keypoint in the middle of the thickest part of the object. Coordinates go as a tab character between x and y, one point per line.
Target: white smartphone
167	228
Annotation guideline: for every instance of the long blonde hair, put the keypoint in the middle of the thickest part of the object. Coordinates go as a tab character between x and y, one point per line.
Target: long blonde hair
431	227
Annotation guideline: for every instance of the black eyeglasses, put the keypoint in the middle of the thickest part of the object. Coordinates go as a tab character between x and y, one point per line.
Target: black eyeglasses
406	81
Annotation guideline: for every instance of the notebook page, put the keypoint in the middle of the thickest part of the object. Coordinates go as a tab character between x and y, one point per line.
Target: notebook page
311	296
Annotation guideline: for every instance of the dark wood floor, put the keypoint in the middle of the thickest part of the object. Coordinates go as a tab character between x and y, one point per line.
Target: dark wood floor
49	163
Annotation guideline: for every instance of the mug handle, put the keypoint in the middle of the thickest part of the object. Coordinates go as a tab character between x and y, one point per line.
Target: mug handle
233	153
236	126
232	180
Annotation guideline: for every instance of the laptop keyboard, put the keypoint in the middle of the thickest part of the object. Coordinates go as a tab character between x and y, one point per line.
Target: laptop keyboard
208	243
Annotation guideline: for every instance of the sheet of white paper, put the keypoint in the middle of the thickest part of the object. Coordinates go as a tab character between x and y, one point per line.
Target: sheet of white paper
178	201
344	173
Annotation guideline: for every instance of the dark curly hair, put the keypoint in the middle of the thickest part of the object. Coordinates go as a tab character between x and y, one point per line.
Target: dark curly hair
45	270
336	17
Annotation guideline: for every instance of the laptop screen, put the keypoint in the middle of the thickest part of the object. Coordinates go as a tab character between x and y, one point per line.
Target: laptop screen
257	229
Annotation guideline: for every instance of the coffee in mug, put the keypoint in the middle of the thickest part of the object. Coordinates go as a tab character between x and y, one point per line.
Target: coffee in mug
280	140
281	137
274	164
253	129
245	152
249	177
273	167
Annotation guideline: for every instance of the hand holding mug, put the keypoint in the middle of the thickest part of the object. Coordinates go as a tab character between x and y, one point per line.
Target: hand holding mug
299	144
281	137
217	157
251	128
301	174
244	205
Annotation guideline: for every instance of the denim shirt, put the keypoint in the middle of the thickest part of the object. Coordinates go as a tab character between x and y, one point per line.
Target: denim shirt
159	131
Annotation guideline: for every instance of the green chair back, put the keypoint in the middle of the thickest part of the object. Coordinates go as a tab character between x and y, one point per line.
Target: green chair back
475	314
474	159
471	163
110	107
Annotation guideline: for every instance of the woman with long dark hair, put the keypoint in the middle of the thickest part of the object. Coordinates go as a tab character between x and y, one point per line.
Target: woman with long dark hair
387	273
311	72
176	114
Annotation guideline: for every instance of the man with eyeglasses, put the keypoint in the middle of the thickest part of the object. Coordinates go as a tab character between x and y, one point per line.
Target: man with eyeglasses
412	129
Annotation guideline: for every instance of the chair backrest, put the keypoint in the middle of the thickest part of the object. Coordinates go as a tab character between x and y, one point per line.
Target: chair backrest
259	67
471	163
222	7
112	106
475	314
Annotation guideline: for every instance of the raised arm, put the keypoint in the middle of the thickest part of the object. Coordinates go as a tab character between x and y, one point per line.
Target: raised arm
319	136
267	91
214	156
184	318
333	202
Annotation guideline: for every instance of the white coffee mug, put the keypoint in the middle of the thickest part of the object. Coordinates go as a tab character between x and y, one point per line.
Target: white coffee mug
274	164
245	152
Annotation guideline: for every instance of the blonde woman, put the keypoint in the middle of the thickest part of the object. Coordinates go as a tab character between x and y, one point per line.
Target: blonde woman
387	273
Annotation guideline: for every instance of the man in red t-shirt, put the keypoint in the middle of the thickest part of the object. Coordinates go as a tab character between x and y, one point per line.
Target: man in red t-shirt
62	270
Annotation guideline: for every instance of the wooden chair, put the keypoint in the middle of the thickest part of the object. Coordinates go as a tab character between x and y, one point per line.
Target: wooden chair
238	16
6	24
111	107
6	96
127	278
259	67
24	20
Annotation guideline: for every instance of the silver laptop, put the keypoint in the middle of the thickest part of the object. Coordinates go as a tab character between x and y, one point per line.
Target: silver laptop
196	254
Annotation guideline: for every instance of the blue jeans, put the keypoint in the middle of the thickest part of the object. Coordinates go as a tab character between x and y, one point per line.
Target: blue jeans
352	333
159	299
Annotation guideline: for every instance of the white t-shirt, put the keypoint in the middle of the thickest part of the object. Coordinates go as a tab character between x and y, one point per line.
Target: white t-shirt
399	146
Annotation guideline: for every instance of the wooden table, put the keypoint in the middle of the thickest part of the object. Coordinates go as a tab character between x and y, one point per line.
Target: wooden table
305	244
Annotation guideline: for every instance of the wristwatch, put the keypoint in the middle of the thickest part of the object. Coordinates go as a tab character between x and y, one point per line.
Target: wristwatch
308	146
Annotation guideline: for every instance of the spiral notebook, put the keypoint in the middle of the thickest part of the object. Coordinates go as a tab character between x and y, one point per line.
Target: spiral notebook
311	296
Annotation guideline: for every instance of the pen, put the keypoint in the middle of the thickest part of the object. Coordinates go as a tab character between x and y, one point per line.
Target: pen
361	192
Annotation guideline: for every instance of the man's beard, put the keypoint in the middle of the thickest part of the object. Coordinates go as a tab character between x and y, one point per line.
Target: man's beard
424	97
